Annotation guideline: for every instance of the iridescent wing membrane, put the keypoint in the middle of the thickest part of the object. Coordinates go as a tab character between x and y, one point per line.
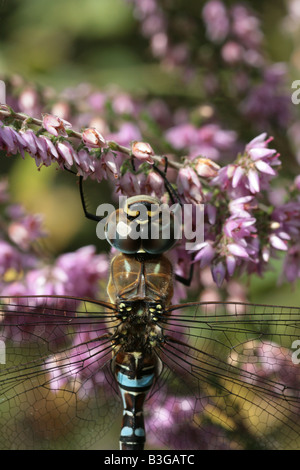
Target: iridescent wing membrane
229	379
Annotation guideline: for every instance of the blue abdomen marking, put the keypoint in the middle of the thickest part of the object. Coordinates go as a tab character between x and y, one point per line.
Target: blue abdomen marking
135	384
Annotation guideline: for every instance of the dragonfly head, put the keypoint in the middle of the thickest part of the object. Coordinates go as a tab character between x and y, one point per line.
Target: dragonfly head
142	225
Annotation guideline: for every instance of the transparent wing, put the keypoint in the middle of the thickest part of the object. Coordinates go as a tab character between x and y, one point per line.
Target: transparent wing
56	387
231	378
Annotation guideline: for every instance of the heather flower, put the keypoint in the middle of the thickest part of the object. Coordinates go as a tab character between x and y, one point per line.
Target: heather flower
97	101
284	231
286	219
153	24
77	272
246	27
154	185
269	101
182	136
124	104
83	269
279	242
239	245
209	140
232	52
86	163
50	149
206	168
93	139
205	254
46	281
159	44
189	186
234	246
218	273
237	228
142	151
67	153
108	166
243	206
131	185
253	170
73	273
25	231
30	143
55	125
126	133
10	140
236	243
211	212
216	20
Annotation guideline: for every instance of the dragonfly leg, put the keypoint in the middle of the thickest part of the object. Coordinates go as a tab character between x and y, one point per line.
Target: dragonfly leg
186	281
87	214
174	196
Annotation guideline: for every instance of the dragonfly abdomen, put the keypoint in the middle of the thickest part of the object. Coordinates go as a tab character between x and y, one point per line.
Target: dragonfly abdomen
135	374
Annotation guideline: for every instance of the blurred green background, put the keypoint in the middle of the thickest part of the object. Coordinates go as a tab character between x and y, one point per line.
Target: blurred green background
61	44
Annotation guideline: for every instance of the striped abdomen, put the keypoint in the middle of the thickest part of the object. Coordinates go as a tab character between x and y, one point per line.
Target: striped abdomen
135	375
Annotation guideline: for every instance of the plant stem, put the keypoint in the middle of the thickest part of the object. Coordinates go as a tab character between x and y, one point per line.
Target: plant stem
6	111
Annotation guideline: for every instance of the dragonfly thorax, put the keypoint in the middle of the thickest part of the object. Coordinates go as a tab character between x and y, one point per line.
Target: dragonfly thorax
147	278
138	330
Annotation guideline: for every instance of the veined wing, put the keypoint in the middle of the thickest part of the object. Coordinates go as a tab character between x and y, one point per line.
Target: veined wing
55	379
231	377
228	379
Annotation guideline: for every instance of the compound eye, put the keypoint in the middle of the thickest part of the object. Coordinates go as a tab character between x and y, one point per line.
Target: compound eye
122	233
160	236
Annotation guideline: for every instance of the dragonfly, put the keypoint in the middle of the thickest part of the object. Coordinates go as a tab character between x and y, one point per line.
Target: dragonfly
197	375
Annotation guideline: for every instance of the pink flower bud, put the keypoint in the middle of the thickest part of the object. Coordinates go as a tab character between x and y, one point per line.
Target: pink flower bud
93	139
206	168
189	186
67	152
142	151
55	126
155	184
